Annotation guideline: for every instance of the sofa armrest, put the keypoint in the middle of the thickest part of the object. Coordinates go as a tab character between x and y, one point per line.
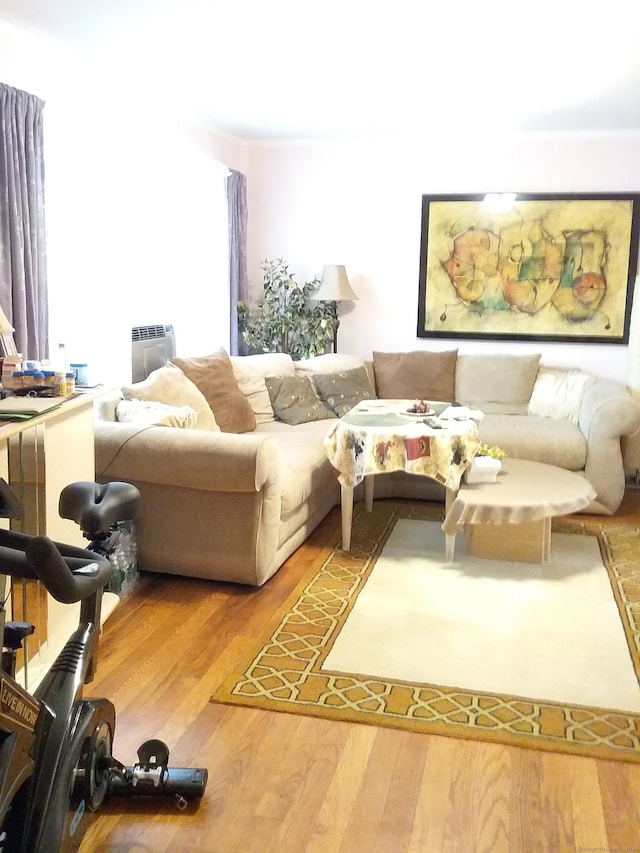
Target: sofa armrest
193	459
608	410
608	413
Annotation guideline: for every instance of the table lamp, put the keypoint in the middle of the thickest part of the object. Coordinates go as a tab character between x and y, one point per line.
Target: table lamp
335	287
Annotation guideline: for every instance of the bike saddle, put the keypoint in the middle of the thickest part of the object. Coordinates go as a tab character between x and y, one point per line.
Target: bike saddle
95	507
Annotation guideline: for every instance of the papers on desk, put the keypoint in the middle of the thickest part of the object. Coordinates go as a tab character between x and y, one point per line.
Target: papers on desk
23	408
461	413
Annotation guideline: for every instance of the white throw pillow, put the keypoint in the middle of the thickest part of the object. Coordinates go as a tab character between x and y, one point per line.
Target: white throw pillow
557	393
158	414
169	385
250	372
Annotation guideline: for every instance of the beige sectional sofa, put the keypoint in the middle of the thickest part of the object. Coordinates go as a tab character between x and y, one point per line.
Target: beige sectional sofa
228	452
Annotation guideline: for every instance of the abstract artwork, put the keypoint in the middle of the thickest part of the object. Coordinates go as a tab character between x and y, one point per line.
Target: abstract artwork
507	266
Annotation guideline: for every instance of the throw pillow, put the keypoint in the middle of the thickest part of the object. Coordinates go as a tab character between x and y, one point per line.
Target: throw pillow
213	376
169	385
497	378
341	391
156	414
419	375
558	393
250	372
295	401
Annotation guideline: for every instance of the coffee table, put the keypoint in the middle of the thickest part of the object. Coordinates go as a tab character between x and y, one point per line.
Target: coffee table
377	436
511	518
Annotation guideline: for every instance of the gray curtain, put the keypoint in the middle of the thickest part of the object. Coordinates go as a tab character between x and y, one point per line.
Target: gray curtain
23	267
238	283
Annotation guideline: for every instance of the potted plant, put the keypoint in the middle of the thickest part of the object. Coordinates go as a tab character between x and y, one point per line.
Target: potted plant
285	320
486	464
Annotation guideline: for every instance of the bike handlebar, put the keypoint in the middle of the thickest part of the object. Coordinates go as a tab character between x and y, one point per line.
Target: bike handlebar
69	573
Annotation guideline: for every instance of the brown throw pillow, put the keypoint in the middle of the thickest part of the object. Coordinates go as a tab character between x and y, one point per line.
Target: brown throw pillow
419	375
213	376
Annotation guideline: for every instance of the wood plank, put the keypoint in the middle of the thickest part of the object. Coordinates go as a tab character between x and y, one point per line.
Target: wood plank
285	783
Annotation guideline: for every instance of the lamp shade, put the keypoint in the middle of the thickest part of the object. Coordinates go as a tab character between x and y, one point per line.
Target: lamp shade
334	286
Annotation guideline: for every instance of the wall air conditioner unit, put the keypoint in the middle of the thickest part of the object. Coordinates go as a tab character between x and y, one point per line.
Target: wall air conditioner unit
151	347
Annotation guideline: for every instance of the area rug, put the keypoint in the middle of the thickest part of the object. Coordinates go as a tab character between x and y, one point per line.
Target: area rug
535	655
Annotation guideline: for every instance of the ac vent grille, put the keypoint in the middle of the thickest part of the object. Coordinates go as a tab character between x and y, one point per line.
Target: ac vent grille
147	333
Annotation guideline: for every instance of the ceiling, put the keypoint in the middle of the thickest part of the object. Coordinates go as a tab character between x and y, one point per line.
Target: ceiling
283	69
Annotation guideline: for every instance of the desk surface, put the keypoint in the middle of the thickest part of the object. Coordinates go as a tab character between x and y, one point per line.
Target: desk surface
70	404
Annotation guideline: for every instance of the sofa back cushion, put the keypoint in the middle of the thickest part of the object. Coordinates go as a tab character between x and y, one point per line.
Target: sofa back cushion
213	376
169	385
497	383
419	375
250	372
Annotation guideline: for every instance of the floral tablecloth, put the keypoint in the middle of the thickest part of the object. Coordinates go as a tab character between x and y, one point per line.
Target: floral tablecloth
377	437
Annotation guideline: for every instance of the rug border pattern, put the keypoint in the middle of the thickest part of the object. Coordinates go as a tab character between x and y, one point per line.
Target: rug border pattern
284	673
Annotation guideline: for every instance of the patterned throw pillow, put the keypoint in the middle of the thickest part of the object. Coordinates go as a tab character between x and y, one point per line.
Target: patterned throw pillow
294	400
341	391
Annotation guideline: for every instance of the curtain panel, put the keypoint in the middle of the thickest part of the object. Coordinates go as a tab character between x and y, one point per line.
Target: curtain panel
238	282
23	266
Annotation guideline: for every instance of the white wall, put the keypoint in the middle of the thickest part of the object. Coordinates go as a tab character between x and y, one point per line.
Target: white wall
358	203
136	216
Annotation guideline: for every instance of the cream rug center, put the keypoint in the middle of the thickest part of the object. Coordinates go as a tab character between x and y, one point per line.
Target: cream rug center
542	631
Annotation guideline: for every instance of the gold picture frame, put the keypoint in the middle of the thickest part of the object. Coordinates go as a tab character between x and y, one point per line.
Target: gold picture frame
525	266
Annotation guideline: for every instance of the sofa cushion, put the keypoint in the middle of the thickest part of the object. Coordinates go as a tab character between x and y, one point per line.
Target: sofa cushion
419	375
294	400
213	375
556	442
250	372
329	362
557	393
504	380
342	390
157	414
169	385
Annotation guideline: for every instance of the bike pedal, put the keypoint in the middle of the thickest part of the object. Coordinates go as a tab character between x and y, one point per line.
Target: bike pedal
153	759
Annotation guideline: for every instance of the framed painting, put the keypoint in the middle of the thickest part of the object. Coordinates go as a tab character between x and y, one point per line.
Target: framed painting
528	266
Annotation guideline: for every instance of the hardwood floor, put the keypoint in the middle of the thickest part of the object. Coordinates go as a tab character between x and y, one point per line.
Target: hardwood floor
280	783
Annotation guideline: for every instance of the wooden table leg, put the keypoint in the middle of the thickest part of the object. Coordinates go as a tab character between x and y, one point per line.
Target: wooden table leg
368	493
346	500
450	538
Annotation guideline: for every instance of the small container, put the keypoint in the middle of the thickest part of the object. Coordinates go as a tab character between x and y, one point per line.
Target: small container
17	379
49	378
81	372
71	383
61	383
29	378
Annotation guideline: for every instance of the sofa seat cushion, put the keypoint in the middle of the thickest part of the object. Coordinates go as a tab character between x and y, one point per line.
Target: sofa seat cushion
549	440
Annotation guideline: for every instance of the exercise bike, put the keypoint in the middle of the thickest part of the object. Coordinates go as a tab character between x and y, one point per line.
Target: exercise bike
56	764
